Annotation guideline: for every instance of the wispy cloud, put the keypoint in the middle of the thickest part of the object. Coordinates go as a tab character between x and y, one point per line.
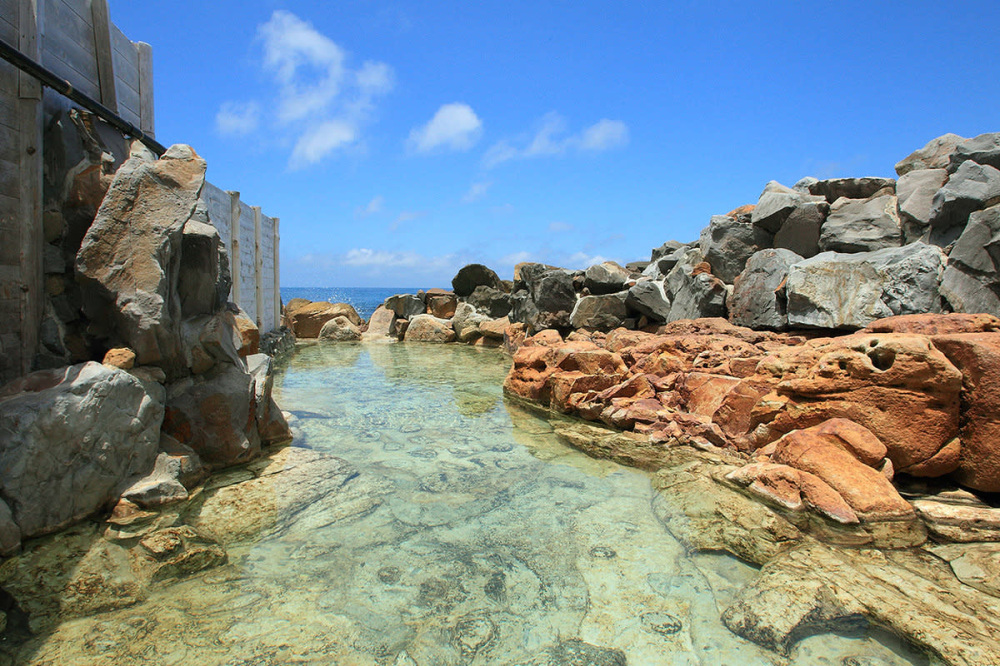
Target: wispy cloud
582	260
558	227
476	192
551	138
454	127
374	207
237	118
404	217
320	103
377	267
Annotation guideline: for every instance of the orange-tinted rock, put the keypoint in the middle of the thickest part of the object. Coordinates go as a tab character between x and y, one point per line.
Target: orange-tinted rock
307	321
120	357
494	328
532	367
977	355
441	304
936	324
548	337
827	452
563	385
745	209
249	335
819	496
513	337
590	361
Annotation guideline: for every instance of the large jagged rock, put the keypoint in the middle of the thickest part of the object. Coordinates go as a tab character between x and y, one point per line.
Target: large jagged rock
466	322
441	303
935	155
727	243
916	191
662	264
405	306
851	188
758	299
380	325
306	321
271	424
801	229
862	225
649	298
129	263
971	188
70	439
552	297
489	301
204	281
605	278
666	249
971	283
983	149
694	291
474	275
776	204
600	313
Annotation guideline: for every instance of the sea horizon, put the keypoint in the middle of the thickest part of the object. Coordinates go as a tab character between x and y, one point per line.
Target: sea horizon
363	299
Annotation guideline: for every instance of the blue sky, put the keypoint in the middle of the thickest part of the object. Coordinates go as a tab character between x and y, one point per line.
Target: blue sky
398	141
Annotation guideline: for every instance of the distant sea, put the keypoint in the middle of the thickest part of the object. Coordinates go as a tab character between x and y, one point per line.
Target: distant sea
364	299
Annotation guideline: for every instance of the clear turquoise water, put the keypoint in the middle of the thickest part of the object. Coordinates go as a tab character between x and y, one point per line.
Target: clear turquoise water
467	534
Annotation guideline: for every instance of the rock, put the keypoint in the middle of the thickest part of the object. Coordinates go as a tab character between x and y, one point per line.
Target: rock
249	334
694	291
776	204
466	322
405	306
490	302
10	533
727	243
936	324
758	299
913	277
307	321
606	278
861	225
976	565
380	325
666	249
601	313
971	282
916	192
801	229
474	275
650	299
210	339
971	188
120	357
983	149
553	298
161	486
496	329
851	188
427	328
213	413
277	343
935	155
441	304
204	281
69	438
340	329
660	267
977	356
129	262
271	424
959	516
574	651
637	266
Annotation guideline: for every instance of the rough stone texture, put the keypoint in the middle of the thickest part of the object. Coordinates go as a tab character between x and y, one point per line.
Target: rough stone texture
161	486
666	249
380	325
69	438
982	149
307	321
977	356
606	278
601	313
936	324
120	357
958	516
694	291
214	414
129	262
971	282
340	329
916	192
496	329
649	298
758	298
969	189
441	304
474	275
552	296
727	243
776	204
204	281
271	425
466	322
935	155
249	334
861	225
801	229
489	301
851	188
660	267
405	305
427	328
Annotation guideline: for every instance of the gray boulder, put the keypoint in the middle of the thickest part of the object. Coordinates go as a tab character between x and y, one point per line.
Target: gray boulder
161	486
694	292
554	296
915	192
913	275
466	322
727	243
69	440
935	155
776	203
204	279
972	280
861	225
801	229
340	329
971	188
758	299
852	188
803	184
271	424
474	275
600	313
666	249
650	299
983	149
405	306
606	278
490	301
660	267
10	533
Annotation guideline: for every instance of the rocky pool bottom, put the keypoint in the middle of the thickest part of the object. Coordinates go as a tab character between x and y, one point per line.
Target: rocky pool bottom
421	518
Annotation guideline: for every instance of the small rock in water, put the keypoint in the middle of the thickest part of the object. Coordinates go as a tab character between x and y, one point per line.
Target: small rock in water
603	553
389	575
496	587
660	623
472	634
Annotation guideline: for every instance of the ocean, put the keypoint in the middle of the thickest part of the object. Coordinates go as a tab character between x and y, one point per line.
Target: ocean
364	299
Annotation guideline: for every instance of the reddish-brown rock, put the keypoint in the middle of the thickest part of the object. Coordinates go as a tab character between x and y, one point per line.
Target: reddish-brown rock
120	357
249	335
936	324
307	321
441	304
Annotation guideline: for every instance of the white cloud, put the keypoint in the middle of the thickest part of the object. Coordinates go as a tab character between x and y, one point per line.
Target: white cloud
237	118
557	227
550	138
374	207
476	192
404	217
321	140
516	258
582	260
454	127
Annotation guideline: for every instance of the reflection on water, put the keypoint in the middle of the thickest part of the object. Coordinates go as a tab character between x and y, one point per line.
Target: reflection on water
465	534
